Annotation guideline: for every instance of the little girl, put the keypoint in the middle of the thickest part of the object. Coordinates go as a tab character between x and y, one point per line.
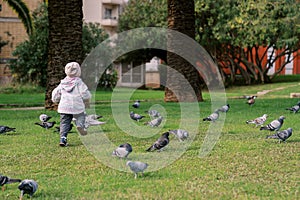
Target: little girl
72	94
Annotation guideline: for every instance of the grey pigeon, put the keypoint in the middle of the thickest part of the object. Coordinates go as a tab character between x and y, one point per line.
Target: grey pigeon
155	122
136	104
224	108
248	97
135	116
153	113
28	187
6	180
123	150
92	120
180	134
44	118
137	167
161	143
259	121
212	117
5	129
251	100
275	125
93	117
295	108
282	136
45	125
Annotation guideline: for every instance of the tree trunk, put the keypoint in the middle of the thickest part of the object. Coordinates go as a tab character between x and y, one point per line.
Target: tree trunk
65	41
181	18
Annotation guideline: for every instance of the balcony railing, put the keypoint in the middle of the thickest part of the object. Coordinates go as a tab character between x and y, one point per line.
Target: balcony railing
109	22
115	2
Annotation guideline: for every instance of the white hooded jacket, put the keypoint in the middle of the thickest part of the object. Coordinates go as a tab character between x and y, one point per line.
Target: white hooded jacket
71	94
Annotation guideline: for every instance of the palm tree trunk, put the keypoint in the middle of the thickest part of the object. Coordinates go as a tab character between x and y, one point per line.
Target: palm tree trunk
65	41
181	18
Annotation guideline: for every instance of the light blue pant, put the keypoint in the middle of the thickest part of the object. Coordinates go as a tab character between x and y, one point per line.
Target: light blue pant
66	120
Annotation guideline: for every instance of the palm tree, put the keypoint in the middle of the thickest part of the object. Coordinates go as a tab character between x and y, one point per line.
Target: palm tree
23	13
181	18
65	41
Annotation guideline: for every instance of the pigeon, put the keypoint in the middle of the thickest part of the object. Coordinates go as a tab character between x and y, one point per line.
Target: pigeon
6	180
5	129
180	134
136	167
153	113
123	150
155	122
224	108
275	125
92	120
251	100
28	187
45	125
249	97
295	108
44	118
136	116
282	136
212	117
136	104
94	116
259	121
161	143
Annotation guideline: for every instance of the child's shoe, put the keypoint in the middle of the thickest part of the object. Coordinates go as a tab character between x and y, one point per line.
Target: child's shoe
63	142
81	130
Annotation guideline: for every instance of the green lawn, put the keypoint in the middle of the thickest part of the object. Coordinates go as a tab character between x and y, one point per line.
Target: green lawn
242	165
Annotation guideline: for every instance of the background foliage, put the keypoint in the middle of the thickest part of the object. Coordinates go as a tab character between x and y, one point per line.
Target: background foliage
31	63
233	32
139	14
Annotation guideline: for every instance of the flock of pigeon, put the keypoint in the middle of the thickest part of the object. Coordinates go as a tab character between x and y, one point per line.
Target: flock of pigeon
138	167
90	120
122	151
29	186
26	186
274	125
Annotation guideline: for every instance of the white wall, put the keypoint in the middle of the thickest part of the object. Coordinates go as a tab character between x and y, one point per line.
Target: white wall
91	11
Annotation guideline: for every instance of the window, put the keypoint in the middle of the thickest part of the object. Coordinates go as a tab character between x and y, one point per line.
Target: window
132	72
108	13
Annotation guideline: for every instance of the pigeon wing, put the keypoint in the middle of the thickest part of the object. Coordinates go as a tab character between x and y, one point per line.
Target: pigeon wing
120	152
137	166
28	187
161	143
285	134
275	125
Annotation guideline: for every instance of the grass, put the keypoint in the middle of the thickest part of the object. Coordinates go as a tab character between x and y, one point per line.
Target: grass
242	165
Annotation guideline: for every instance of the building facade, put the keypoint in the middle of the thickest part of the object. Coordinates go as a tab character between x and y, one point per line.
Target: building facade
104	12
11	30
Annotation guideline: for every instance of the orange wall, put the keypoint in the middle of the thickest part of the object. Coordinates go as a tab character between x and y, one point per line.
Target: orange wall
296	61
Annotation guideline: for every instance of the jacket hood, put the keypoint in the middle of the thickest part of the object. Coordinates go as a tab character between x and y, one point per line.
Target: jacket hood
68	83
